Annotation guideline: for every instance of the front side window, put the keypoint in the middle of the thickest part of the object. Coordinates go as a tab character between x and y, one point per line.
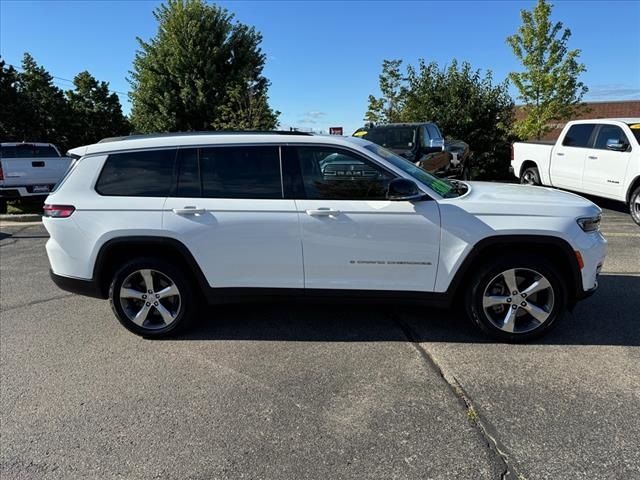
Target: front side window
137	174
334	174
578	135
610	134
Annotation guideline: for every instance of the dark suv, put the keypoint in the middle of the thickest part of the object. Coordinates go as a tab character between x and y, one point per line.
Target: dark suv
422	144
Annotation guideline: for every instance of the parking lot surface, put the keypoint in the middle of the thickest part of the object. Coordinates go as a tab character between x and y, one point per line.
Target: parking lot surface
315	391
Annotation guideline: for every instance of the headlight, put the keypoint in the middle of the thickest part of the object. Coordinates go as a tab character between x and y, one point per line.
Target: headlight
589	224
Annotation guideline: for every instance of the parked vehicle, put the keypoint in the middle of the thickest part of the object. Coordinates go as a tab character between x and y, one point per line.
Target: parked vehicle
597	157
423	145
29	170
156	223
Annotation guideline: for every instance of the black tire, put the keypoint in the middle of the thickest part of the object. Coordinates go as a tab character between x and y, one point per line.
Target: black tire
530	176
3	205
634	205
466	173
183	309
526	265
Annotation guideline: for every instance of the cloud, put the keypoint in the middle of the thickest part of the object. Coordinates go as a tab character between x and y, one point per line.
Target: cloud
311	117
613	92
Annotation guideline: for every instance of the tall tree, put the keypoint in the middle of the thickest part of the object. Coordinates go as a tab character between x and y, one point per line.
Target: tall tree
549	85
12	108
95	111
46	113
200	71
388	107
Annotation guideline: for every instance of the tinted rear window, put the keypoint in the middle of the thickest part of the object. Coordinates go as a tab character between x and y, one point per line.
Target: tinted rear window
578	135
137	174
27	150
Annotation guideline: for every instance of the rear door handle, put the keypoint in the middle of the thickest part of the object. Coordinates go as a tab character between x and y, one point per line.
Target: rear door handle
591	157
323	212
189	210
560	154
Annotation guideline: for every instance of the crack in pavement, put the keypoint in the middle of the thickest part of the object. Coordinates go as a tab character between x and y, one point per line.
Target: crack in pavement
486	430
35	302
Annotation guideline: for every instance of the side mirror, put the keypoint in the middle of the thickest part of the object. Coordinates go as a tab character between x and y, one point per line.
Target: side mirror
615	145
402	189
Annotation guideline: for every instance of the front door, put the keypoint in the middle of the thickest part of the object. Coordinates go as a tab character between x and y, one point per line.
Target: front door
605	169
352	237
228	209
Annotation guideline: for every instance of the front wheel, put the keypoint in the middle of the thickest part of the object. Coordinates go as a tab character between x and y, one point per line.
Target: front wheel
517	298
152	298
634	205
530	176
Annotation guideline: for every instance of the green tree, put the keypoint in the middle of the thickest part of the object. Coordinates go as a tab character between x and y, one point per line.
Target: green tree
200	71
467	106
549	85
45	115
96	112
388	107
12	108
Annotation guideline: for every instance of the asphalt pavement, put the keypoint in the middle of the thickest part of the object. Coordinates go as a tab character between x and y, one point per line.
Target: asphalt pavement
299	391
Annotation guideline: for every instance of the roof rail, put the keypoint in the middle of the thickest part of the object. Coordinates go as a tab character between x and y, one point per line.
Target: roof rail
187	134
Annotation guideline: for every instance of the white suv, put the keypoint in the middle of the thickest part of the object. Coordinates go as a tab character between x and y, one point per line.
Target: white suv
158	223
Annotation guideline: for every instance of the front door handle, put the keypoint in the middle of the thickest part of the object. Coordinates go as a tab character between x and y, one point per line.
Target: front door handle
323	212
591	157
189	210
560	154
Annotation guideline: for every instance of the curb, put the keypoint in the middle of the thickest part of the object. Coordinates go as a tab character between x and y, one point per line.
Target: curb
25	217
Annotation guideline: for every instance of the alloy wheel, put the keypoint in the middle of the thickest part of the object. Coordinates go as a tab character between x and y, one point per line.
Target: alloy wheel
528	178
150	299
518	300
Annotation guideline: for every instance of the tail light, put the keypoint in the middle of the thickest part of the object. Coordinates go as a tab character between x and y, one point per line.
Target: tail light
1	174
512	152
58	211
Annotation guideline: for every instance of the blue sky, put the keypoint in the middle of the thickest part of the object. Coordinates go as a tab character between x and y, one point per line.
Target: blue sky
323	58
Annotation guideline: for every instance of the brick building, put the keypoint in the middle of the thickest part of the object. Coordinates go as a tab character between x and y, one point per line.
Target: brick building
612	109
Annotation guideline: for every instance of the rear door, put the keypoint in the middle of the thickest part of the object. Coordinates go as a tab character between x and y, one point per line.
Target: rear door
228	209
569	155
606	167
353	238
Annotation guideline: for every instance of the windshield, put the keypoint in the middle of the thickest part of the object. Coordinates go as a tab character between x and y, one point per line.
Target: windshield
442	187
635	129
392	137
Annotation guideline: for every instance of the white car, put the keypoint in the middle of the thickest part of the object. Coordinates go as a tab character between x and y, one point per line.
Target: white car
158	223
29	170
597	157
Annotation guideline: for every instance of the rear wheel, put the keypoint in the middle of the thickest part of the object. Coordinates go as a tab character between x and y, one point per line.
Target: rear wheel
517	298
634	205
530	176
152	298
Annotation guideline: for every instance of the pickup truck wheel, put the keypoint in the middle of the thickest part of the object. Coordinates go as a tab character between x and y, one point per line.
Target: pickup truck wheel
634	205
530	176
152	298
517	298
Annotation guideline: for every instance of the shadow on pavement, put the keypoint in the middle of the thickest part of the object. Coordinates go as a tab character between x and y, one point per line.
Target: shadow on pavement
610	317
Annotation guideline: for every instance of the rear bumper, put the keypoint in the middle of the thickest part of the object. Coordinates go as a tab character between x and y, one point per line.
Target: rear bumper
23	191
88	288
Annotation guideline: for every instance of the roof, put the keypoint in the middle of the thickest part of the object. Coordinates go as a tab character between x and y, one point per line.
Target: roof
399	125
168	140
16	144
630	120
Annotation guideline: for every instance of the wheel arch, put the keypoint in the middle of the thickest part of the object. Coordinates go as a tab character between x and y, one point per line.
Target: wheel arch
527	164
556	249
635	183
116	251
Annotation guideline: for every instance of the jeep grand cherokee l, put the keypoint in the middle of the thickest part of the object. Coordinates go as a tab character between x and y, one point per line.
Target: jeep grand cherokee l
159	223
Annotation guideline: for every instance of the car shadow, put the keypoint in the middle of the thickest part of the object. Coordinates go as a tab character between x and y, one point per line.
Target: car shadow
610	317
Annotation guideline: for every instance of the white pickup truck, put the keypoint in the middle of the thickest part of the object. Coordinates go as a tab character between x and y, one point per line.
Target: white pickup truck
597	157
29	170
